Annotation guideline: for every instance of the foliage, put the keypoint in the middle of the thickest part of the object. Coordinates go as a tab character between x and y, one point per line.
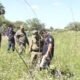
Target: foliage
51	28
66	57
2	19
35	24
2	10
18	23
73	26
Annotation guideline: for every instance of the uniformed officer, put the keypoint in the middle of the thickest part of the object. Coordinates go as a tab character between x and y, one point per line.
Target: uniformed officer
48	49
35	48
21	39
11	40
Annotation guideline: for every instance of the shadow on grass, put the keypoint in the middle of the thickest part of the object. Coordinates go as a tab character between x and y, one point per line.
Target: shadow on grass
61	75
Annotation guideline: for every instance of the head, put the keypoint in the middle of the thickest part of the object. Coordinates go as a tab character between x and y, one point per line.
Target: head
43	33
10	27
21	27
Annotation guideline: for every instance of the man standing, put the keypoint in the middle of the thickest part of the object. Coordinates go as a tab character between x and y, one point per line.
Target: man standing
11	40
48	50
35	48
21	39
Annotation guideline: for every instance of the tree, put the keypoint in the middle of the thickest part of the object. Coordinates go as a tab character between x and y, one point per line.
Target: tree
73	26
2	10
5	25
2	19
18	23
51	28
35	24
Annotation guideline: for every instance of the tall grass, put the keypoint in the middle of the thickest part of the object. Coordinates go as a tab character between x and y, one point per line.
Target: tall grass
66	57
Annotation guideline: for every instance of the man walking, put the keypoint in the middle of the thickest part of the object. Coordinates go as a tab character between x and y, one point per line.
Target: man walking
48	50
21	39
11	40
35	48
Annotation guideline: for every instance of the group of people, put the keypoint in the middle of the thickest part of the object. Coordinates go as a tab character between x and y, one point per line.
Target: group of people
41	45
42	48
19	37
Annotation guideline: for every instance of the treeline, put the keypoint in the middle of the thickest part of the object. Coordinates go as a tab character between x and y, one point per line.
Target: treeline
73	26
31	24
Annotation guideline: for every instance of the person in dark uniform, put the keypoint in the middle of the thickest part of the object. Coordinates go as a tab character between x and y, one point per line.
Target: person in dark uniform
11	40
48	50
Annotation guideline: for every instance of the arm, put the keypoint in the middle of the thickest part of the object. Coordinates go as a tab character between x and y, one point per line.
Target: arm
30	46
48	51
49	48
16	36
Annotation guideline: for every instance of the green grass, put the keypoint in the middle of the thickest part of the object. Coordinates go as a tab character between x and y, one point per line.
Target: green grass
66	58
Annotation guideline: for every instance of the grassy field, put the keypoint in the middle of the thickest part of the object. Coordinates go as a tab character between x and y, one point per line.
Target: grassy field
66	58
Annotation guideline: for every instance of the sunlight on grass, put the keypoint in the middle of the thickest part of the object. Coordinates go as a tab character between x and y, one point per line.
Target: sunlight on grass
66	57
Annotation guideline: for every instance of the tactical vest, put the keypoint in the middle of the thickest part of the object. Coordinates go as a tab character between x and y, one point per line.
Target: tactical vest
35	43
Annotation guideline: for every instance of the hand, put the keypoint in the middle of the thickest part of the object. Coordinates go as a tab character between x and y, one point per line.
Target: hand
45	56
